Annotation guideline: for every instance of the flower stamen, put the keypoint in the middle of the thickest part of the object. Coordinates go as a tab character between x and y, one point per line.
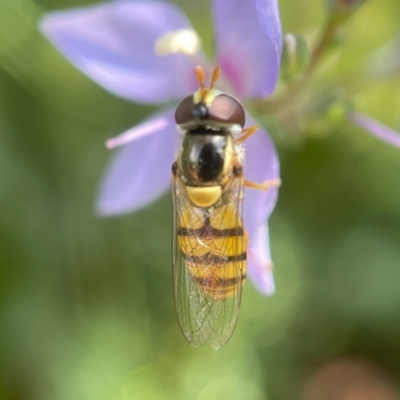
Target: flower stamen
182	41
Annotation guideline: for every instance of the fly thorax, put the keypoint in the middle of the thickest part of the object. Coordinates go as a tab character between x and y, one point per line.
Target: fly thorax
206	157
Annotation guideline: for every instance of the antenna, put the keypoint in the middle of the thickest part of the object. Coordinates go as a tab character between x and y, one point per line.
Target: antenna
215	75
200	76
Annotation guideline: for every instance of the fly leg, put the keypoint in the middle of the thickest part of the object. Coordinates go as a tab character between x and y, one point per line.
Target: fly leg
238	169
246	133
272	183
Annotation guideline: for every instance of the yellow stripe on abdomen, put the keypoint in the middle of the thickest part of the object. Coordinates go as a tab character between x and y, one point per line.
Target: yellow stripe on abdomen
214	250
218	279
218	265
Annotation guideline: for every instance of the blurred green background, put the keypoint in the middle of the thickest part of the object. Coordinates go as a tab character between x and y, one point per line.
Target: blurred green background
86	308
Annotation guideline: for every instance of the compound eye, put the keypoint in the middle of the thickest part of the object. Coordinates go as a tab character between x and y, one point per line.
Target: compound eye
225	108
184	111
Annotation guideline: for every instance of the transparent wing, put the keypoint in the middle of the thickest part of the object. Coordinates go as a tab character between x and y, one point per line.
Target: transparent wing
209	265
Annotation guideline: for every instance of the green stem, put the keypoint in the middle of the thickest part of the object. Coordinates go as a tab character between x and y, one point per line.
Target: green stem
296	88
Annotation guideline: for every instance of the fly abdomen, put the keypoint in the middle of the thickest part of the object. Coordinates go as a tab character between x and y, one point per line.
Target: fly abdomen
218	276
215	258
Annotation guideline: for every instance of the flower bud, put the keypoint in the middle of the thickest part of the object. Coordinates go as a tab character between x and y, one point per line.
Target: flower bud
295	56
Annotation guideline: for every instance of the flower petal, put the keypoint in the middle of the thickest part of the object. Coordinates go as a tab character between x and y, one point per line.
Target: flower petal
113	43
140	172
260	265
249	44
376	128
262	164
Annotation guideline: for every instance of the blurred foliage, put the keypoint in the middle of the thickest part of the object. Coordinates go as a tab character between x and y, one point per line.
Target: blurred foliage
86	309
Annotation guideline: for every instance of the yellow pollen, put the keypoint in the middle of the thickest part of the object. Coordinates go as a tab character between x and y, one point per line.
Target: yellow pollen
182	41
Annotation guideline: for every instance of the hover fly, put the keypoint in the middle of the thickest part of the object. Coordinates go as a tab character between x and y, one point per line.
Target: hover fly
210	241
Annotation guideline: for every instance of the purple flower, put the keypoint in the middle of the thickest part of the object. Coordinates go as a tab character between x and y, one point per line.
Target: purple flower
376	128
147	52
